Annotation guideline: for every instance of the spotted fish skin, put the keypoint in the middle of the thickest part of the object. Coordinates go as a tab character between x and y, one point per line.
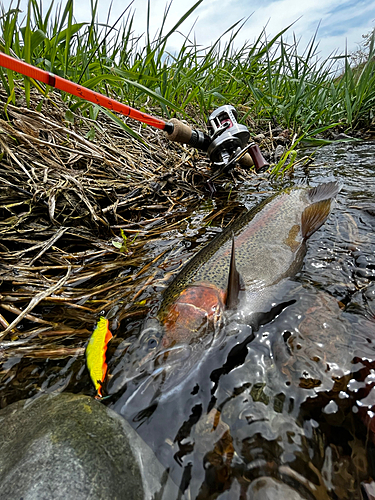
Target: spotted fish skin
269	246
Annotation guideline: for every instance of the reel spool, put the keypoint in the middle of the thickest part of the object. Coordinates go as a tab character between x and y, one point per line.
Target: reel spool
226	135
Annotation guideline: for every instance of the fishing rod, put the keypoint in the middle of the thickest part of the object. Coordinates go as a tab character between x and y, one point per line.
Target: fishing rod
226	143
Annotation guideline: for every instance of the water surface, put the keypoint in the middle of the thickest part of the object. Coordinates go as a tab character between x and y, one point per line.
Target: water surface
291	400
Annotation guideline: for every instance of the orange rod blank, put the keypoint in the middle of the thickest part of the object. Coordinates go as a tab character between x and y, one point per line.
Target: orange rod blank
82	92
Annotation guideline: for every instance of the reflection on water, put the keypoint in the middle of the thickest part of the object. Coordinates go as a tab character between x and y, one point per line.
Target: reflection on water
279	408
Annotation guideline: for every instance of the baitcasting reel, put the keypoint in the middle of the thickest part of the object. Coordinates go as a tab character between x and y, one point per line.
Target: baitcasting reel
229	142
226	143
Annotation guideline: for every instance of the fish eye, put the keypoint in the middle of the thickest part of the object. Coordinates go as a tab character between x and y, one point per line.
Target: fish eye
152	343
150	338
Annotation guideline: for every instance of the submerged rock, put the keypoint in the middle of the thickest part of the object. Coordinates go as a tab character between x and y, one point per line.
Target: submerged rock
367	207
71	446
343	137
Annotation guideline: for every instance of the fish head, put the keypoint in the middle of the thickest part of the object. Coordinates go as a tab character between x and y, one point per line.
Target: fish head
166	343
137	358
149	342
198	309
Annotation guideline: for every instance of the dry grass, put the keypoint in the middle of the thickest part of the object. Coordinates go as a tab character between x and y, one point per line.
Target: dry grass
63	200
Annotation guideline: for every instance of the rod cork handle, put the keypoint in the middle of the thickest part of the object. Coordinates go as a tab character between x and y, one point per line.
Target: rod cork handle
180	133
246	161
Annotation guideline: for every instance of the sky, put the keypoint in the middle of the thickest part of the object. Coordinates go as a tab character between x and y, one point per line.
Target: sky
340	24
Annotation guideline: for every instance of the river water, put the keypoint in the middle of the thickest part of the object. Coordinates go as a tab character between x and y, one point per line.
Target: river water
286	409
281	411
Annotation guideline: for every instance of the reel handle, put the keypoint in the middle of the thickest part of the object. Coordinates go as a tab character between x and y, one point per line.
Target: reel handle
246	161
257	158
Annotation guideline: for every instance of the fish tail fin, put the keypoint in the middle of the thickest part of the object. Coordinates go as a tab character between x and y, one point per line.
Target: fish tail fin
323	192
316	214
234	281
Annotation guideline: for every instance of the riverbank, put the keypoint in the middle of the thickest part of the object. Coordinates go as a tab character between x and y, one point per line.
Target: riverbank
83	221
89	216
94	209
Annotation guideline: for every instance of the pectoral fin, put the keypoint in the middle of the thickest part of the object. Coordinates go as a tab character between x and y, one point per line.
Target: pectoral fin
316	214
234	282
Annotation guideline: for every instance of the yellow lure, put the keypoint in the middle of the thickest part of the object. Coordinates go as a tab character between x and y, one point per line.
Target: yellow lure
96	354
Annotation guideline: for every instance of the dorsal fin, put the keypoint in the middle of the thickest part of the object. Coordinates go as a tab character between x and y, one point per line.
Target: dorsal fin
234	281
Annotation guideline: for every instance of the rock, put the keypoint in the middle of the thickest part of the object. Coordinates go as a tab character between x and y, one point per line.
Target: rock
259	137
283	137
276	131
70	446
267	488
279	151
342	137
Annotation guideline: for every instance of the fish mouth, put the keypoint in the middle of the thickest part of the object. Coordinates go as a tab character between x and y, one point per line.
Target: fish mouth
146	368
152	361
268	488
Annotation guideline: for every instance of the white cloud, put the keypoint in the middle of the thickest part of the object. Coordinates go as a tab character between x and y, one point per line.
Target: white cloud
216	16
307	16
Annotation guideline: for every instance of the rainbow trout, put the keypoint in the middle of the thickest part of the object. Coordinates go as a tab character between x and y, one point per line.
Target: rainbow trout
175	372
245	261
261	248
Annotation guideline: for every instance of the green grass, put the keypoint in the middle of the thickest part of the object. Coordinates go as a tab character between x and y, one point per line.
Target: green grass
265	79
